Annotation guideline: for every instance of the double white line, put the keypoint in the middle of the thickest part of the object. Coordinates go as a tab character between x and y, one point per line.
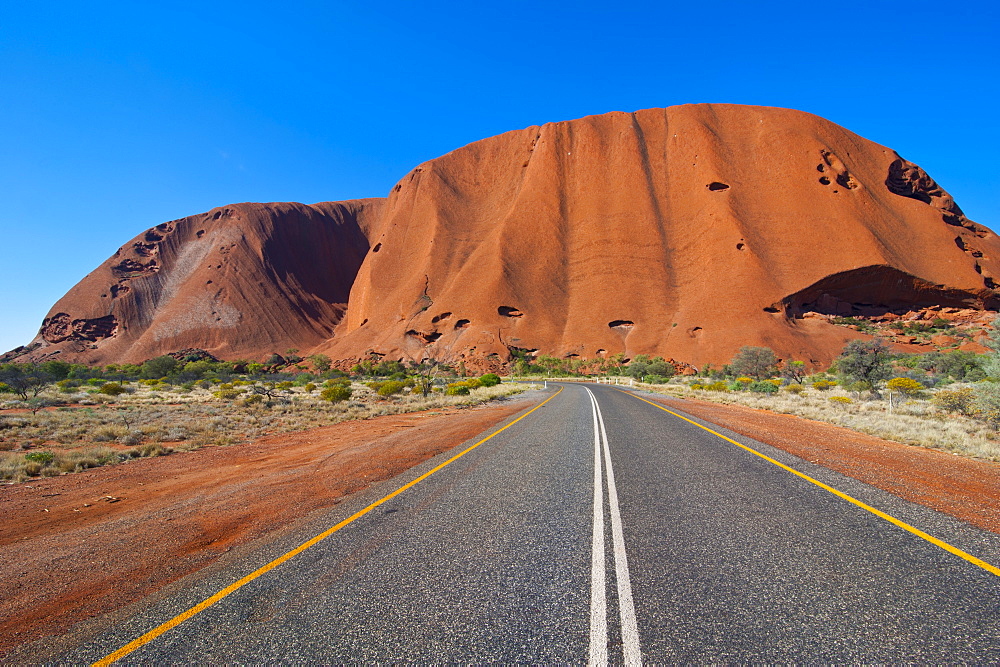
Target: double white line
598	591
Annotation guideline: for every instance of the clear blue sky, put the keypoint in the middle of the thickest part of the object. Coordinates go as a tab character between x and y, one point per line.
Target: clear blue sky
117	116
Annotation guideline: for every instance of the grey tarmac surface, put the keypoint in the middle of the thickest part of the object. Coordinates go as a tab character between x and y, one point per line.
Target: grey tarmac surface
731	559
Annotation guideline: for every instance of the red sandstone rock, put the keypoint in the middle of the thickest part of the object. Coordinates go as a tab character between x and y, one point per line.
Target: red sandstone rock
943	340
685	232
240	281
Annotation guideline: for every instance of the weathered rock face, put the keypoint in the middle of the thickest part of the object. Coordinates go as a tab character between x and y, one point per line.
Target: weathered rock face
685	232
240	281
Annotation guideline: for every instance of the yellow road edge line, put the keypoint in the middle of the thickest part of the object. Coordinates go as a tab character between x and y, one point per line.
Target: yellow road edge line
208	602
992	569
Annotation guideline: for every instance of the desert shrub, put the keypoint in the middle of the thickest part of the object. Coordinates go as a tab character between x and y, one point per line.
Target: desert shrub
457	389
841	399
823	385
227	394
489	380
310	388
5	388
904	385
112	389
655	379
158	367
336	393
132	438
697	386
284	385
40	457
986	402
253	399
795	388
955	400
763	387
33	468
391	387
717	386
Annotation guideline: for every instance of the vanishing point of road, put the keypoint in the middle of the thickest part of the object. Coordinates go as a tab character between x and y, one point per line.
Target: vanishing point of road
596	527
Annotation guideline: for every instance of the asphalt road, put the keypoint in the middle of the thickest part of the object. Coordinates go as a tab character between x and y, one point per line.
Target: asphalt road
692	549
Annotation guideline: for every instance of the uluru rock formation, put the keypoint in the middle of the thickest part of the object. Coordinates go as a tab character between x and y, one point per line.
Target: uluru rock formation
685	232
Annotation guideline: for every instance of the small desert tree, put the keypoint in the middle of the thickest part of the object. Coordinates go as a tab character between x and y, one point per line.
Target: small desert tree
868	361
794	371
320	362
755	362
25	379
158	367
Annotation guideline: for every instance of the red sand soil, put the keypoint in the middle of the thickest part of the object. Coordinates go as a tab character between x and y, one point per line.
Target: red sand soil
966	488
80	545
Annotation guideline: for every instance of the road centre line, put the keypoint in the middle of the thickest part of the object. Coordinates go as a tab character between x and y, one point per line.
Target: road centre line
992	569
208	602
626	606
598	654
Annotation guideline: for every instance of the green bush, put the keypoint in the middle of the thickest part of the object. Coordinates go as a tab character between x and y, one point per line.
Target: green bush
489	380
794	388
457	389
309	388
284	385
5	388
336	393
763	387
390	387
717	386
40	457
823	385
112	389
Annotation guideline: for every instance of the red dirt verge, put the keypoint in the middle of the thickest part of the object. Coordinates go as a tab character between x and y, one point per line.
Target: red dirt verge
77	546
965	488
